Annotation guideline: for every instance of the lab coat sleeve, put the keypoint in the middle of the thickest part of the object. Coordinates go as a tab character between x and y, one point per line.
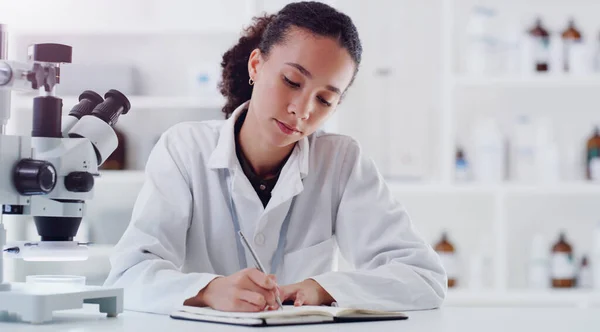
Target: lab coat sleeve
395	268
147	260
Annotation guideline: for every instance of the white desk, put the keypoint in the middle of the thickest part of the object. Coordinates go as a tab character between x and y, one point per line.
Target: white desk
442	320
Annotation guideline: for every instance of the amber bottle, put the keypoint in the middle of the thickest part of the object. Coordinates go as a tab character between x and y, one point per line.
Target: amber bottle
563	268
570	36
541	39
446	251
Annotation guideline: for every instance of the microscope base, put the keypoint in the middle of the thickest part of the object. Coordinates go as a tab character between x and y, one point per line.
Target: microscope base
35	303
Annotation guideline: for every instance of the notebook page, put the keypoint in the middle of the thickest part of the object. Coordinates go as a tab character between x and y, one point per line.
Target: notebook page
286	312
340	312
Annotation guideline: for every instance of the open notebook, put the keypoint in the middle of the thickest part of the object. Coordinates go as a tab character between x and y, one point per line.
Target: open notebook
290	315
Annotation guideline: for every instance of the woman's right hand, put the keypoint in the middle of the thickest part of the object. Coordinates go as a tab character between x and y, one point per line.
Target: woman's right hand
248	290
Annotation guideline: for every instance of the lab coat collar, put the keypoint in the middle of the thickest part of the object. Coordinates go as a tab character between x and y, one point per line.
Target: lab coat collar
224	155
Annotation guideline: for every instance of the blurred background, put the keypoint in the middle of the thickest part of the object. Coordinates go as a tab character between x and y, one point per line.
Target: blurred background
482	115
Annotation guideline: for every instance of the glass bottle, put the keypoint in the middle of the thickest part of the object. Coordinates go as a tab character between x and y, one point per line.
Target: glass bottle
447	254
593	156
572	39
562	270
541	48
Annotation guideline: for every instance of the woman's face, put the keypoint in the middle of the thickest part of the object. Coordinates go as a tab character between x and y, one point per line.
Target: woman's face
298	86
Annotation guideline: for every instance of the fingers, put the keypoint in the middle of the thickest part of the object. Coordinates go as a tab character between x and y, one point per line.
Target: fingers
256	282
269	296
250	301
278	292
274	280
243	306
288	292
300	299
261	279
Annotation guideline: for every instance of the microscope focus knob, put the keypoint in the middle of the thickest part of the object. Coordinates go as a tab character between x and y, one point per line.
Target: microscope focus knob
34	177
79	182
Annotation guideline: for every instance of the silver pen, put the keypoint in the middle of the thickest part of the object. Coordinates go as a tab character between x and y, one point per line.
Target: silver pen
257	262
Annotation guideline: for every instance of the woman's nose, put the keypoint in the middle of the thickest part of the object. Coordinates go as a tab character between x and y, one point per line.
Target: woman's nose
300	108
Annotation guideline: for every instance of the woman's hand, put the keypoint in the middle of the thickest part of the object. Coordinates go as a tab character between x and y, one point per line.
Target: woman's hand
248	290
307	292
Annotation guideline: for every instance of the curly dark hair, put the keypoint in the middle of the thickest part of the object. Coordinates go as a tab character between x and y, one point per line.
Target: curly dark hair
268	30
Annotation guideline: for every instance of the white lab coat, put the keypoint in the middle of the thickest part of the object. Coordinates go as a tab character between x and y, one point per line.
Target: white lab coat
181	234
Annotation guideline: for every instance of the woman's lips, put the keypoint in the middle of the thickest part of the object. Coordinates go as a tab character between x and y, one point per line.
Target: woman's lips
288	130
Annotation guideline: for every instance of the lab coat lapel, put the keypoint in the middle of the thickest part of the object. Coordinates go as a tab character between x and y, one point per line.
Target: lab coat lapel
290	183
223	156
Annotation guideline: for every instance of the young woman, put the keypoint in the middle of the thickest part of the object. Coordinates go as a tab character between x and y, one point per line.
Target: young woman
296	193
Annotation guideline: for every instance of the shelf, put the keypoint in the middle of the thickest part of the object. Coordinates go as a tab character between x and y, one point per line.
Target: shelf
433	188
539	81
524	298
137	102
565	188
120	177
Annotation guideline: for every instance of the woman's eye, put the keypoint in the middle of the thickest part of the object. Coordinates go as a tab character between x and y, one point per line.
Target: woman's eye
324	102
291	83
297	85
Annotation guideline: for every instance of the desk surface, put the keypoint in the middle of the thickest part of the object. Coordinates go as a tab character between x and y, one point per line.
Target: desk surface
445	319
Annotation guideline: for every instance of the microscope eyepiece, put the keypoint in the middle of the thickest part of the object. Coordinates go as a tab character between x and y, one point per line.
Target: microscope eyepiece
114	105
88	100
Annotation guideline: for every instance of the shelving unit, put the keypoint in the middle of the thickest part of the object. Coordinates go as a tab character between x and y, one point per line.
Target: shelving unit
120	177
502	195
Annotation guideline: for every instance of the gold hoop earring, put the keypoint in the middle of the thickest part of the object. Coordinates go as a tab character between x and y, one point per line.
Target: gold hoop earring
250	81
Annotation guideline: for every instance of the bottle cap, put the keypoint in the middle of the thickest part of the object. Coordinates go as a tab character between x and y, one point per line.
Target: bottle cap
444	235
562	235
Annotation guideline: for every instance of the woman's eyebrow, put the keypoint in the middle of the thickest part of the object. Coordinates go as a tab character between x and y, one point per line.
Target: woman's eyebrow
306	73
300	68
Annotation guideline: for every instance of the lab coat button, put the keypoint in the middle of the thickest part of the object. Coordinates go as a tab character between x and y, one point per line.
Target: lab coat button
259	239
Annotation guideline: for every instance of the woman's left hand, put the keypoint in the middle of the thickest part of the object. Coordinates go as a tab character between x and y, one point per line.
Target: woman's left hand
307	292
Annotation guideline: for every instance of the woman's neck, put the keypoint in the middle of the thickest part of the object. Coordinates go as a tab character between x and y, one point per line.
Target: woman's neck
264	159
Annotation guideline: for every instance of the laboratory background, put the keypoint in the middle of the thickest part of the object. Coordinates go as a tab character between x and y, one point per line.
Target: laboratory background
483	117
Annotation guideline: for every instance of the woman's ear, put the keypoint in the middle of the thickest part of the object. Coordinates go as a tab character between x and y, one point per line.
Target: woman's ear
254	64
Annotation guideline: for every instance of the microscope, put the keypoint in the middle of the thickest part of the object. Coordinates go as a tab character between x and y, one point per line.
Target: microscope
49	176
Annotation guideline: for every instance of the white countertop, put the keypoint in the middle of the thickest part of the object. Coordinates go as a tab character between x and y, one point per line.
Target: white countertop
445	319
